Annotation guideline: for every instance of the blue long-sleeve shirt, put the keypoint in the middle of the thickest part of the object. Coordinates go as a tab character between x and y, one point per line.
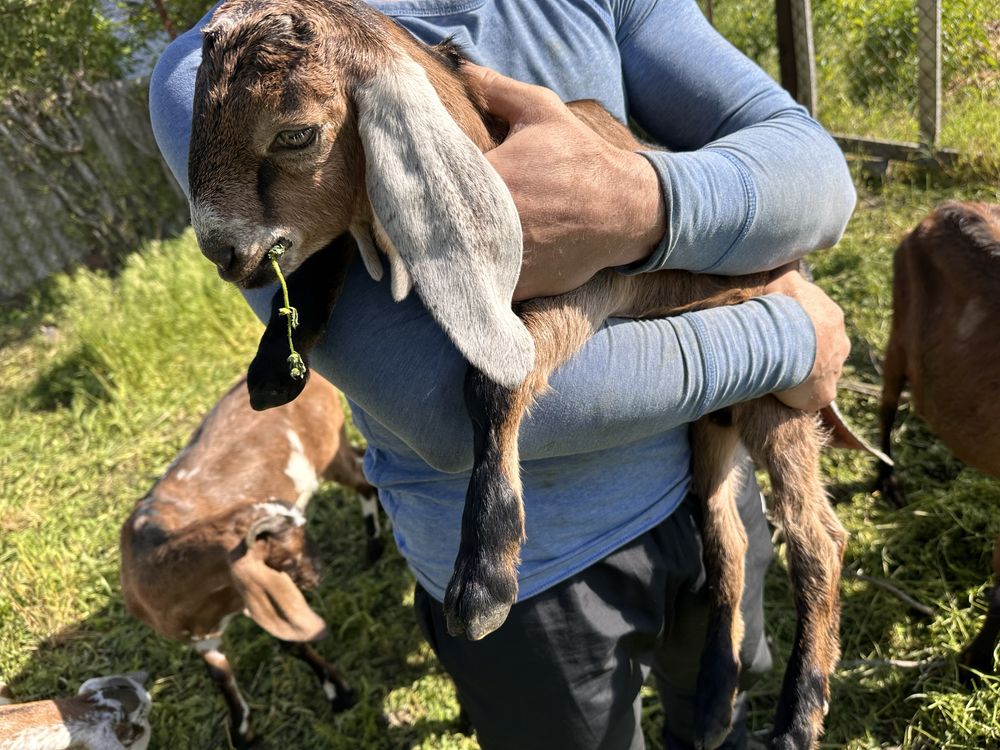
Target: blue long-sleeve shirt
751	182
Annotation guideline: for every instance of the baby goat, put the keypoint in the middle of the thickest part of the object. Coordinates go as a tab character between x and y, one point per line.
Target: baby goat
946	300
107	713
367	136
223	532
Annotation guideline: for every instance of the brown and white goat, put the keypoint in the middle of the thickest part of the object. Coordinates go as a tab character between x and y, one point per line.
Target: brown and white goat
223	532
107	713
321	124
945	304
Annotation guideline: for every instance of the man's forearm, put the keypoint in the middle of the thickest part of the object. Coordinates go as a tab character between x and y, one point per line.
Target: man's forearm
753	181
633	379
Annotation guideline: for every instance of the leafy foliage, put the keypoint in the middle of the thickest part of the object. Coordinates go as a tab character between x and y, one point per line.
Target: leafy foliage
47	41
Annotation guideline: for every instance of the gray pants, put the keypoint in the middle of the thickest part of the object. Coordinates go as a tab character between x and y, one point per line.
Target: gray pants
564	671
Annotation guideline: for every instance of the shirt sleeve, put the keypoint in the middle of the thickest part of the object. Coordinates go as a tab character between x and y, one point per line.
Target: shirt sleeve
752	181
633	379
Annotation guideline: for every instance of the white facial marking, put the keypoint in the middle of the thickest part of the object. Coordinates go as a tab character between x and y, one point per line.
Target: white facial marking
277	509
205	218
301	471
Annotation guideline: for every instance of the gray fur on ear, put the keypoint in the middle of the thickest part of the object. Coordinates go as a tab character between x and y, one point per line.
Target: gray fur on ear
450	220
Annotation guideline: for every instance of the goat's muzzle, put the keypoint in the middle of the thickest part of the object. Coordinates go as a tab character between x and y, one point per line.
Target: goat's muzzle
246	266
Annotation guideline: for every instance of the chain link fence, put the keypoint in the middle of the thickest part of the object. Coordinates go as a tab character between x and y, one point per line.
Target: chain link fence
911	71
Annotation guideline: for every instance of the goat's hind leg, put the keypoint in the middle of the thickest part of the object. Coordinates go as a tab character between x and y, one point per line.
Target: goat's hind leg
483	585
978	655
786	442
716	479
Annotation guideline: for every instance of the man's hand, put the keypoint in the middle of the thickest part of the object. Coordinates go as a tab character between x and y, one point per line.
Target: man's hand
584	204
832	344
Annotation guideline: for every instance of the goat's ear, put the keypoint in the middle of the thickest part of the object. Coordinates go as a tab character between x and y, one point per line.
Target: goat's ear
271	597
450	222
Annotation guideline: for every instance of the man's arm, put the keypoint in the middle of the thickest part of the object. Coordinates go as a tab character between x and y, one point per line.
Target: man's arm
634	379
756	182
751	183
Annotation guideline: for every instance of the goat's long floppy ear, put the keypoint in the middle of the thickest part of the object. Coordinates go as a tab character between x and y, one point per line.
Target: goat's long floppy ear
450	220
272	599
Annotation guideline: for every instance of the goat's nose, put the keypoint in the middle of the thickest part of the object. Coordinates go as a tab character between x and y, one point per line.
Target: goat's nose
218	249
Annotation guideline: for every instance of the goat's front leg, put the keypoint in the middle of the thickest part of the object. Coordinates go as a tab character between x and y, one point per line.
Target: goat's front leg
716	479
787	443
893	379
335	687
313	290
483	585
241	732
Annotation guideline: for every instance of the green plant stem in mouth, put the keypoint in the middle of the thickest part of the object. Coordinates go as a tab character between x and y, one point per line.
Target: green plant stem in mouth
296	366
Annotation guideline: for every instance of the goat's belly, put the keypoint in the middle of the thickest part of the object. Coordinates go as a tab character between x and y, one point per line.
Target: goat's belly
964	413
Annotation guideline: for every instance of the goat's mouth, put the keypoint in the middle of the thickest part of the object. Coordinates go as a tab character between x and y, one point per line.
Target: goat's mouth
256	273
258	270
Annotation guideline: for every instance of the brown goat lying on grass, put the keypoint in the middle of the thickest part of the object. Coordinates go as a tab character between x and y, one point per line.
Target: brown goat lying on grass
222	532
107	713
377	139
944	344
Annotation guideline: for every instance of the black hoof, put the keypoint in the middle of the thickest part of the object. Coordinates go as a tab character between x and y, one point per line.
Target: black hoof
801	708
718	683
244	742
974	663
889	487
477	602
374	548
344	699
270	383
795	741
464	722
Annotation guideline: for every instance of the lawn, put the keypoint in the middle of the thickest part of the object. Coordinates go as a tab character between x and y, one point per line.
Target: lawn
102	380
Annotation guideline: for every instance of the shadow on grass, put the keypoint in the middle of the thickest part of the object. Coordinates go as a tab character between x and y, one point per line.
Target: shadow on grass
374	640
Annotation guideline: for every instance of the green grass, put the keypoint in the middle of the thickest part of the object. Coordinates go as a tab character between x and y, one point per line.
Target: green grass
866	57
101	381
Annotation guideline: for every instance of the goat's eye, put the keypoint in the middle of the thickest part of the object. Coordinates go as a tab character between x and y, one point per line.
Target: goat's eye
295	138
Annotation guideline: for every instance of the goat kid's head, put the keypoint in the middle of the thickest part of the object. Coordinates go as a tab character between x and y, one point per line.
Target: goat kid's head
126	694
271	566
313	118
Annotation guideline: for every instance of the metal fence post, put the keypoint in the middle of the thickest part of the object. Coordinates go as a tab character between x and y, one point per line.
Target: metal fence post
929	76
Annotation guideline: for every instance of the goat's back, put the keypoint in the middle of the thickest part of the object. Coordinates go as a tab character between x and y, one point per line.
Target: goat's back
946	302
176	544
